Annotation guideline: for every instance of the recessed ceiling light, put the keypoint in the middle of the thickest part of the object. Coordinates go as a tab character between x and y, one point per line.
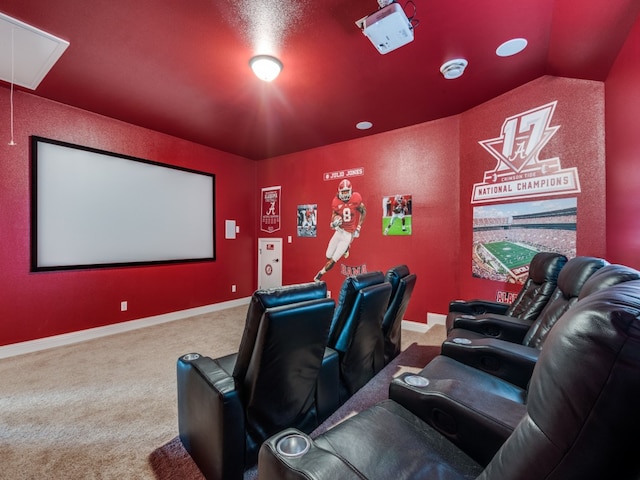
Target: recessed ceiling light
266	67
364	125
511	47
453	68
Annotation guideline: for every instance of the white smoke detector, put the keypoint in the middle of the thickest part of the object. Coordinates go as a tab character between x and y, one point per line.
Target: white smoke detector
453	68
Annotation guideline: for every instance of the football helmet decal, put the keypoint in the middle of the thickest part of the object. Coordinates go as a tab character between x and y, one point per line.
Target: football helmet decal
344	190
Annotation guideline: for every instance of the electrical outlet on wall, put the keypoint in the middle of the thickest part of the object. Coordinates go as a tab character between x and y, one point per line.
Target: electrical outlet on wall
123	306
233	288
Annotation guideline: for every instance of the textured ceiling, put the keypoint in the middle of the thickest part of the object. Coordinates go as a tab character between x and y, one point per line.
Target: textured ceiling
181	67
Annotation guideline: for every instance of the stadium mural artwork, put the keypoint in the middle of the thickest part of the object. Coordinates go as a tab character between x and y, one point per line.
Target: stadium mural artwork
396	214
307	220
348	213
507	236
519	172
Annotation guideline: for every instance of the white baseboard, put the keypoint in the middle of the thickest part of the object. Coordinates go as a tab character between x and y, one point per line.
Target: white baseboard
93	333
414	326
436	319
432	319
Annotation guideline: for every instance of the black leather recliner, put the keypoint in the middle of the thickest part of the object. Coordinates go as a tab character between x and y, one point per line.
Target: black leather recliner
229	405
570	280
514	362
356	330
532	298
580	421
402	284
500	370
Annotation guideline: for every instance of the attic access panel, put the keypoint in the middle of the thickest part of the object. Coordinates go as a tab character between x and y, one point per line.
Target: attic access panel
27	53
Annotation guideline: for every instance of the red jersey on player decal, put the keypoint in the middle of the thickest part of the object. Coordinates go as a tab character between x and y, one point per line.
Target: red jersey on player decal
398	204
348	211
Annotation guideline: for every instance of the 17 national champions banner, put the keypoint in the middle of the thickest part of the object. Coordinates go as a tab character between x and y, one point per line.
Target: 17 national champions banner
520	173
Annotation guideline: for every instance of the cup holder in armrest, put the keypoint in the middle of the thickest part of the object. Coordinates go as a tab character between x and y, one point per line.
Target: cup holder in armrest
416	381
461	341
293	445
190	357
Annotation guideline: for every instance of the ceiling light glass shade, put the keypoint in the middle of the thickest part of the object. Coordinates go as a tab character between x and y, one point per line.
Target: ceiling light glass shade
266	67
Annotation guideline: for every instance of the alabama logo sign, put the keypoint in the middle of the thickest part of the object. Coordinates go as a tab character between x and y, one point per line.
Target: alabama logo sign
520	173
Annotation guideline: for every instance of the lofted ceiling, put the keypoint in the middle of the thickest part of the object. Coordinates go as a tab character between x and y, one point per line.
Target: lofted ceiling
181	66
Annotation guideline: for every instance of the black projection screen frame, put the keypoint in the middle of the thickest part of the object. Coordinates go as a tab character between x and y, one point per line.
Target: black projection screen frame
96	209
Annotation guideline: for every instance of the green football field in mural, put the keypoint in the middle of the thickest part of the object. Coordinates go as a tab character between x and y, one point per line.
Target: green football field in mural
509	254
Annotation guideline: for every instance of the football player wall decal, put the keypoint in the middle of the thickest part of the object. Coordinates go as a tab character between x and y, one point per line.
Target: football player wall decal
347	216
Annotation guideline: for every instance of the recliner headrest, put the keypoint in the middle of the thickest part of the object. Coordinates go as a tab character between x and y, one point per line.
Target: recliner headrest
275	297
347	297
576	272
607	276
546	266
396	273
269	298
352	285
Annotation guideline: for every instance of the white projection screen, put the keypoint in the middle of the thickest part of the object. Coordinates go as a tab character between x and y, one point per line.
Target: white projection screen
91	208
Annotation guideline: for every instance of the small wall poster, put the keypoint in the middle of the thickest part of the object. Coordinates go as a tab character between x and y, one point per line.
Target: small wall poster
396	214
307	220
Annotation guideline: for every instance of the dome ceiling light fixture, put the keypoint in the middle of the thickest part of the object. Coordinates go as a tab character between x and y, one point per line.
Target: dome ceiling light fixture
453	68
511	47
266	67
365	125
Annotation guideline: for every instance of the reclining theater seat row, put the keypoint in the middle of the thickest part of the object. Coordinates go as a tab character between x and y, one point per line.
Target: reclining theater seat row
569	282
300	358
514	362
579	421
451	404
533	296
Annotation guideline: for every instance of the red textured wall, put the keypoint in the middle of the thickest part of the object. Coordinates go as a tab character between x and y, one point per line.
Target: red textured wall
35	305
420	160
438	163
579	142
622	97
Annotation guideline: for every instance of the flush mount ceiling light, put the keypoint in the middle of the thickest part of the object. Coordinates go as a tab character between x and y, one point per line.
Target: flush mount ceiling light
364	125
266	67
453	68
511	47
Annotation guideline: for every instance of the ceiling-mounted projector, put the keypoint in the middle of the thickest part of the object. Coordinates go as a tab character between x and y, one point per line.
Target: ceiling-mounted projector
387	28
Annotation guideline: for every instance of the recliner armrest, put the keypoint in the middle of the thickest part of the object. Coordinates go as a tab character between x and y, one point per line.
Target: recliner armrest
510	361
315	462
478	422
478	307
210	417
504	327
